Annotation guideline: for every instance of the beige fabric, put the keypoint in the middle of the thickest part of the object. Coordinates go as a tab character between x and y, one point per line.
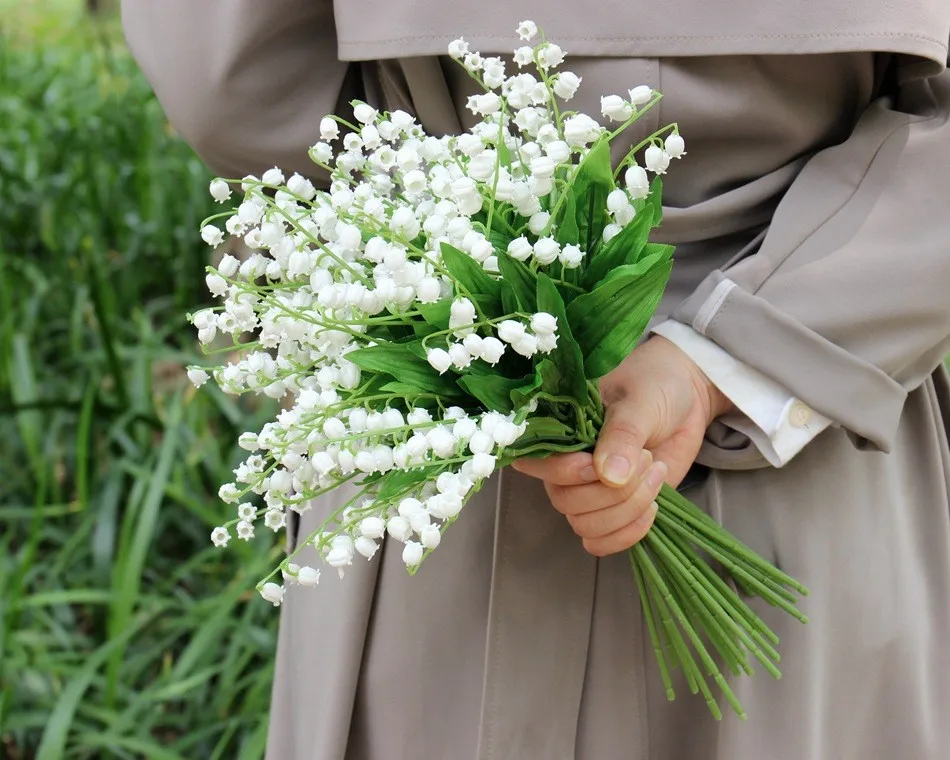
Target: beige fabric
369	29
512	643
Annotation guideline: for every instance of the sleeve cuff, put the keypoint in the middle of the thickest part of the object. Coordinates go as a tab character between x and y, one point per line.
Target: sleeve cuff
779	424
846	389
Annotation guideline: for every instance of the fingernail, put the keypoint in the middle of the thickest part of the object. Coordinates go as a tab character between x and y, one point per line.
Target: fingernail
646	459
617	469
656	474
588	474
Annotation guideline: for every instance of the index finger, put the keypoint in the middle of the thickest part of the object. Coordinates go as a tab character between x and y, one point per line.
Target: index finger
574	469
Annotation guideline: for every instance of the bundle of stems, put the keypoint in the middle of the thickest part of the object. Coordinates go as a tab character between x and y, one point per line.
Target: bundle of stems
690	571
693	612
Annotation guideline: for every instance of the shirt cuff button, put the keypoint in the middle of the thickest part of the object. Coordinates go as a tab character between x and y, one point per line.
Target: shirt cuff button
799	414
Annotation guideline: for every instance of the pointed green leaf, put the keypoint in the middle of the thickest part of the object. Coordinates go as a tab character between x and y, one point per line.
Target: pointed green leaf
549	376
595	167
541	427
399	361
436	314
522	280
469	273
509	301
623	249
567	356
504	155
662	250
545	378
403	390
499	239
541	430
494	391
609	321
591	186
567	232
397	482
415	347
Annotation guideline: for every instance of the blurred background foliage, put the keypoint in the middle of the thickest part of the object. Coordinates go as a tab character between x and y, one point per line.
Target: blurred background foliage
123	632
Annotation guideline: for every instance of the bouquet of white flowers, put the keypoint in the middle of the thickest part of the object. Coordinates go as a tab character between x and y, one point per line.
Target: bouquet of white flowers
447	307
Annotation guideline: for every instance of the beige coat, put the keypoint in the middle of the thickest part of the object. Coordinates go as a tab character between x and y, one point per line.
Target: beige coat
818	181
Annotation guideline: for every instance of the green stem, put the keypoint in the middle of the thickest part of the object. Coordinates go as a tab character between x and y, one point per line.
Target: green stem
726	646
692	672
719	613
699	518
697	643
652	628
735	606
742	573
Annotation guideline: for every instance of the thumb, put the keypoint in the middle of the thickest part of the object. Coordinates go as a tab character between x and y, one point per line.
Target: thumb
619	454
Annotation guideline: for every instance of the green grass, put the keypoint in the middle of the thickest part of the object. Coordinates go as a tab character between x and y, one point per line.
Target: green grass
123	632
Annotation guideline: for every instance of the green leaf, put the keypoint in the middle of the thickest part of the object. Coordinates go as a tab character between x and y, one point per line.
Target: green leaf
509	301
403	390
436	314
567	357
623	249
396	482
489	304
662	250
522	281
546	378
567	231
592	184
609	321
596	167
499	239
400	362
469	273
541	429
504	155
422	329
494	391
415	347
60	719
549	376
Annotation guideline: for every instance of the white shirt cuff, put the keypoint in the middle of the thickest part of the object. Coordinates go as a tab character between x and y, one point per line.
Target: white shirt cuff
779	424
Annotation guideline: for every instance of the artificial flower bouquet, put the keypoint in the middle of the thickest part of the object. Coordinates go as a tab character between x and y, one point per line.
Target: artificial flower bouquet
446	307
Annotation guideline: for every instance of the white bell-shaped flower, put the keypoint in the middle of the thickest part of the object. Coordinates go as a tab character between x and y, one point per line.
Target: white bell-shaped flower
273	593
412	553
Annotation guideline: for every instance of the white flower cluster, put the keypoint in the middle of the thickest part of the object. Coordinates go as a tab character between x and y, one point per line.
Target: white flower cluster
314	450
541	339
331	271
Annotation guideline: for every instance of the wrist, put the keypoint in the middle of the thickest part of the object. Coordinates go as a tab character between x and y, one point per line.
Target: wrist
718	403
713	401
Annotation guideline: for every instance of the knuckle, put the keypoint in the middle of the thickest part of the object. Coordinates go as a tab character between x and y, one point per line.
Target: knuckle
584	526
599	523
577	525
563	499
624	433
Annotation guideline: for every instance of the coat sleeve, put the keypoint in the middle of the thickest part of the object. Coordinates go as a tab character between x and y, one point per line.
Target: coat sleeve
245	82
847	302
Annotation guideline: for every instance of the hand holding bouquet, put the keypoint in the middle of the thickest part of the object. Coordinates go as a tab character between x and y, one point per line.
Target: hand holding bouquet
446	308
